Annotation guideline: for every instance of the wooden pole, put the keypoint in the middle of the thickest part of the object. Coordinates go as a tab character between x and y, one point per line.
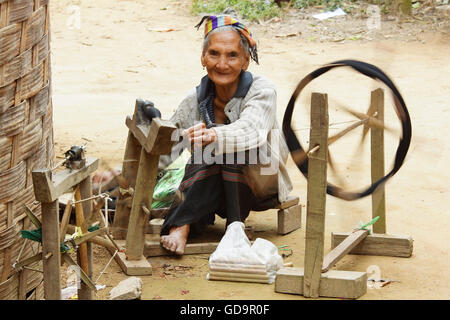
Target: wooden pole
82	252
50	250
143	196
86	192
316	195
129	172
377	162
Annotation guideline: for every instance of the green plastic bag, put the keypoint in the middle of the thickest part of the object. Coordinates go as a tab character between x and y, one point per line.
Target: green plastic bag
166	187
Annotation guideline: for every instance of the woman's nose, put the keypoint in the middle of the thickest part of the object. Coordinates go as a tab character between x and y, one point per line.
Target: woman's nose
222	63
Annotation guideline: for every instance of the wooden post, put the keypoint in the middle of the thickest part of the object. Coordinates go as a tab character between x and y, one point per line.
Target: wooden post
129	172
316	193
377	162
143	196
84	253
50	250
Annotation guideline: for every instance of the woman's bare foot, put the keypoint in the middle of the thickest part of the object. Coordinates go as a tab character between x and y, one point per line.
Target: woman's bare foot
176	240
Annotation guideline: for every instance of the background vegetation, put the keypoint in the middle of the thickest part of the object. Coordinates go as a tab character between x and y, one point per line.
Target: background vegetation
255	10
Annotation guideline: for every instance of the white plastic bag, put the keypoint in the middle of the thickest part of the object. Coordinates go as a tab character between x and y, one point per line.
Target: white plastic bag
235	251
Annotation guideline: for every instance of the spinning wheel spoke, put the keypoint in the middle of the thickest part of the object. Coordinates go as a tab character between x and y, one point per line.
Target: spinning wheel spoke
372	121
331	165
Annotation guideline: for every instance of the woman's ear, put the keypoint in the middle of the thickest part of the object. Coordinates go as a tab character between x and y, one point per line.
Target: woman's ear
202	59
246	62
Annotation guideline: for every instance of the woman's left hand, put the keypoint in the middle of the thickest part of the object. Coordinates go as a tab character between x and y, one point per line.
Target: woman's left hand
199	135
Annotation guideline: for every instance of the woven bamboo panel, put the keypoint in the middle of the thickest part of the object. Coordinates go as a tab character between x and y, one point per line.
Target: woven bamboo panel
26	136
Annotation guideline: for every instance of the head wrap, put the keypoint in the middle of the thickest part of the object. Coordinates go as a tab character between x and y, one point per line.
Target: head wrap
214	22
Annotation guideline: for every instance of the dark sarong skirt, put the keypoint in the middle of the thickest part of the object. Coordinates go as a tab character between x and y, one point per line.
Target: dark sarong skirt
209	189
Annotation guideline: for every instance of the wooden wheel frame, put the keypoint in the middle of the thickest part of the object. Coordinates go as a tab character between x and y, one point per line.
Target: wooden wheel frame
300	155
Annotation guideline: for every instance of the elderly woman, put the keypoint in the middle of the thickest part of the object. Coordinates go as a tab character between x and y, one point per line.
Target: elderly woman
232	115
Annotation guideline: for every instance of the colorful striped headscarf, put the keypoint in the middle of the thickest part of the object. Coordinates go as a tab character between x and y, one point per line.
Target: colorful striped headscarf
214	22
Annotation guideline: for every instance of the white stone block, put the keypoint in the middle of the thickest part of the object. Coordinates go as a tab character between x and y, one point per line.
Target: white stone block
128	289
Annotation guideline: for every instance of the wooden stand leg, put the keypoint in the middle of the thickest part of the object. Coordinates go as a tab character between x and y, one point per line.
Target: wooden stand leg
377	162
143	196
317	182
135	262
129	172
50	250
85	249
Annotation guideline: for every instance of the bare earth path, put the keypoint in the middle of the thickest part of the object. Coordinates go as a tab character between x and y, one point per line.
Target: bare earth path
120	52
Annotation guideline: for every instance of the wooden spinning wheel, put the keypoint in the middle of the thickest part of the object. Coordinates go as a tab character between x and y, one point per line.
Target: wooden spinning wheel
368	120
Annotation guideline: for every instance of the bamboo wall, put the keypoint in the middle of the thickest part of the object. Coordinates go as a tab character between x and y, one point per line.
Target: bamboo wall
26	135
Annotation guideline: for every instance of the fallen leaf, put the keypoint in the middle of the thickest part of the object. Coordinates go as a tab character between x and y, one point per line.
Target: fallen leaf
183	292
162	29
287	35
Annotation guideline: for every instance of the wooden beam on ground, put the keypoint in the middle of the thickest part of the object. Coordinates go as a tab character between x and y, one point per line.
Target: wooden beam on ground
378	245
333	284
316	193
343	248
377	162
154	248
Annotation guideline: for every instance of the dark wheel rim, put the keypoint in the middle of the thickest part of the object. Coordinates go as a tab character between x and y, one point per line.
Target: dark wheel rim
400	109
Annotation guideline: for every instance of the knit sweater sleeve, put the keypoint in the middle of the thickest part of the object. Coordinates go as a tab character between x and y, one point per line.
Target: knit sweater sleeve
256	118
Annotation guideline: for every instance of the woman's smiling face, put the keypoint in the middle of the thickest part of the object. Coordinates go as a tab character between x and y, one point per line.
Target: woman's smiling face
224	59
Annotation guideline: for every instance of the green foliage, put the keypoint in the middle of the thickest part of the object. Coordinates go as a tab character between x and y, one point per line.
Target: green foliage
329	4
252	10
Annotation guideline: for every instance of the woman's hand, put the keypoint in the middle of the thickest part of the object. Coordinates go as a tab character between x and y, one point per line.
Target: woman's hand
199	135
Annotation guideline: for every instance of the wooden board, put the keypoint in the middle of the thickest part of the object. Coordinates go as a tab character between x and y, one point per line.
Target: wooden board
343	248
377	162
145	184
129	173
333	284
154	248
316	193
290	201
156	138
155	225
138	267
48	189
378	245
289	219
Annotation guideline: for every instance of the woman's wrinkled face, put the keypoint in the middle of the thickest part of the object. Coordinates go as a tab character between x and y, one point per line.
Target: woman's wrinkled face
225	58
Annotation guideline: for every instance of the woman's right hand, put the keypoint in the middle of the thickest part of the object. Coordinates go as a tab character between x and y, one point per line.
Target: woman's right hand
199	135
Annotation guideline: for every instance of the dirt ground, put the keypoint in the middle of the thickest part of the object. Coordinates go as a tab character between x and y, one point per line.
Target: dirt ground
106	54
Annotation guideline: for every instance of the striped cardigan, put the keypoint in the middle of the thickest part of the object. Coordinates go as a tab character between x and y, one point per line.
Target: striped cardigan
252	124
